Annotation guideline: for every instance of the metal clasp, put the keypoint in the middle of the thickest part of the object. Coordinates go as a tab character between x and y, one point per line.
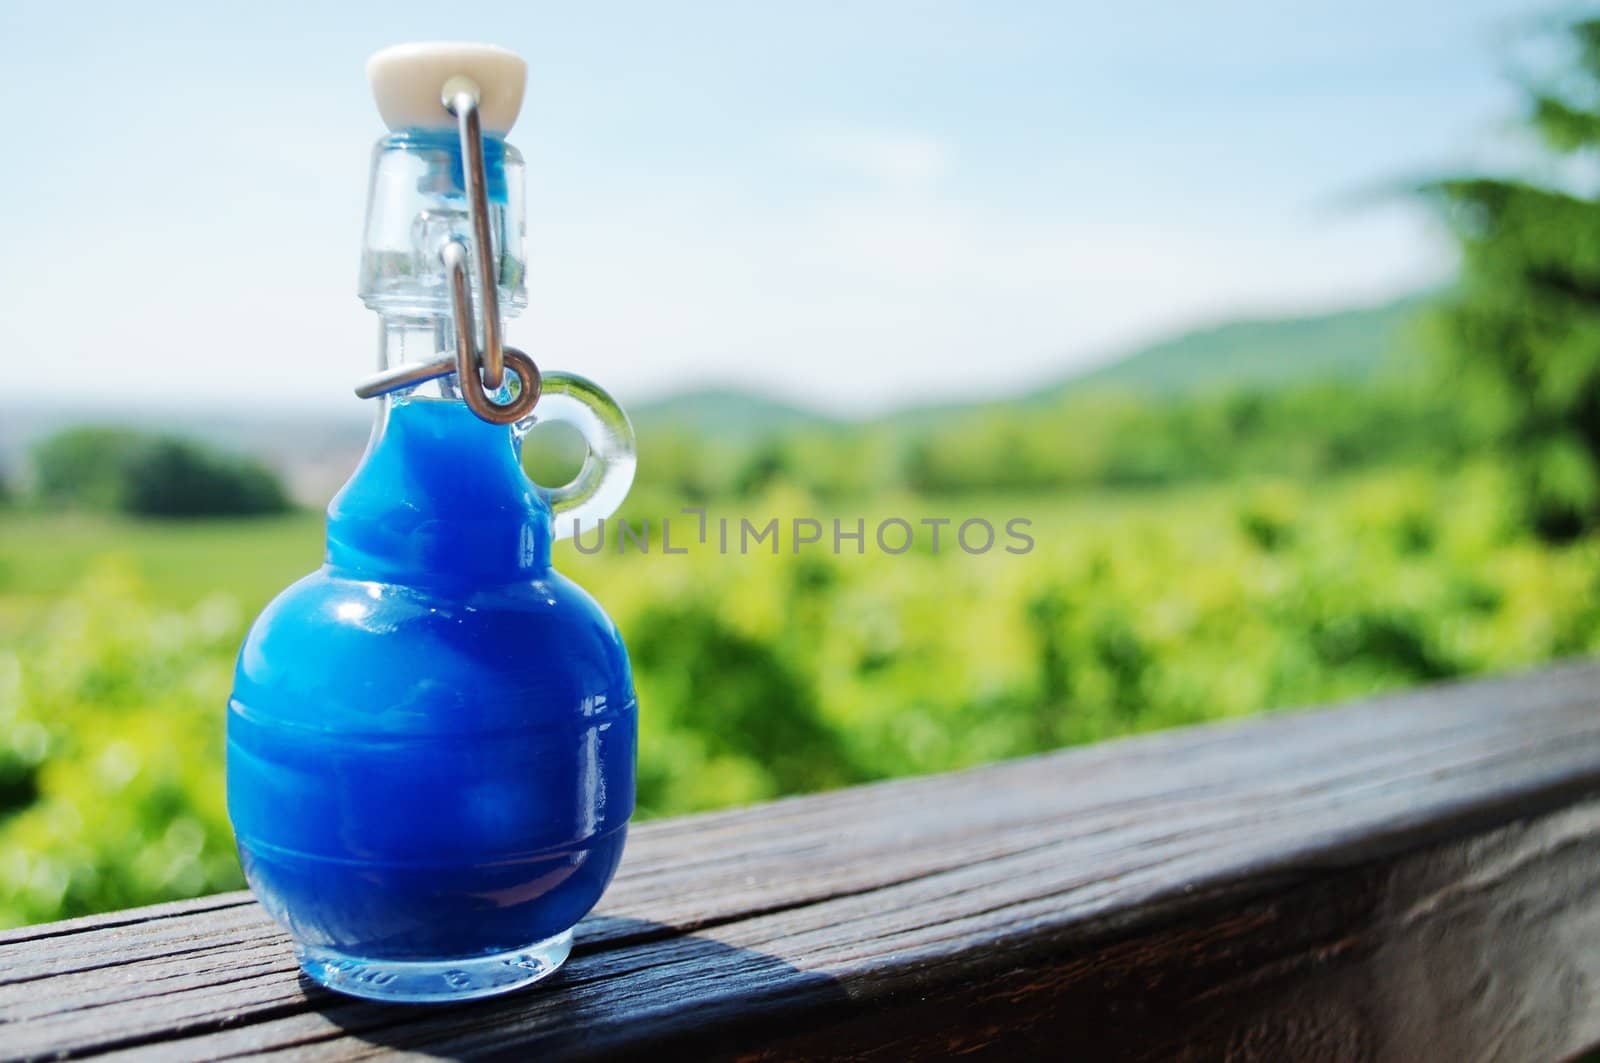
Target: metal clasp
480	370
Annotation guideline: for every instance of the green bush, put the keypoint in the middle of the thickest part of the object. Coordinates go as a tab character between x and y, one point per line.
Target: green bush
110	752
175	478
159	476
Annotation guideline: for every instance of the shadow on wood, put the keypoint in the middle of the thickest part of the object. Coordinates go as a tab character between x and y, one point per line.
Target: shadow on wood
596	1006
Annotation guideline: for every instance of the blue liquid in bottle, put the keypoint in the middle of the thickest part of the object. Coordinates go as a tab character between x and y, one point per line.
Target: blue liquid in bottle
431	740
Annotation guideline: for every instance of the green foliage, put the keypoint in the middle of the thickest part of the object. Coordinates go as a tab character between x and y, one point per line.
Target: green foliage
82	467
110	742
155	476
684	464
552	454
766	674
175	478
1523	326
740	698
1084	439
1122	440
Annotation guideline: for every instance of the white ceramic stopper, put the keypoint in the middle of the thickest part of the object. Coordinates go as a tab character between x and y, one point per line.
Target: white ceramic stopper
408	82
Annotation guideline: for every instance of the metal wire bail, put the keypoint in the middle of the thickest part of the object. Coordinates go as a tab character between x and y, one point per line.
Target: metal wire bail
460	98
480	369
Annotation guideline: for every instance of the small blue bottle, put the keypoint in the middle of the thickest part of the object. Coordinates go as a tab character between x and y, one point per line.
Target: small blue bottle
431	739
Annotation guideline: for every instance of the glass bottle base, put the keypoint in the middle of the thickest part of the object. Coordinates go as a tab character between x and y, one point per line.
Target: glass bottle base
434	981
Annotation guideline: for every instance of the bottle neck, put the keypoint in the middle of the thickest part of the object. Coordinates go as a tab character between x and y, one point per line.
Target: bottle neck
417	340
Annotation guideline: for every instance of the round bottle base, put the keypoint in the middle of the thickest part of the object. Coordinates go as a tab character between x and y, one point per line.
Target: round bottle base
435	981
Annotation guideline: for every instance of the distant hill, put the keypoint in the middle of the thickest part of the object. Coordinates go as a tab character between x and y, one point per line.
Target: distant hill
1346	344
1355	344
724	412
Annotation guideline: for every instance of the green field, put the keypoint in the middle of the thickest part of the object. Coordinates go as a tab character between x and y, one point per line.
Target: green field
761	675
177	563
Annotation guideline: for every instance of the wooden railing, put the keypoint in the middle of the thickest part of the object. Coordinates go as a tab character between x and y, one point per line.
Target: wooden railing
1410	878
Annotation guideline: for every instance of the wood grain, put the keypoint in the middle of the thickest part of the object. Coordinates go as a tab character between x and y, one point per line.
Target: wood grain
1413	877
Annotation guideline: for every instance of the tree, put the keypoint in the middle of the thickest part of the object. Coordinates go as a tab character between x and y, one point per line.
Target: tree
160	476
1522	328
169	477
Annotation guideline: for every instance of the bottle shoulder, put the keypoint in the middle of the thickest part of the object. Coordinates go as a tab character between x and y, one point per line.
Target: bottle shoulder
385	655
440	496
328	601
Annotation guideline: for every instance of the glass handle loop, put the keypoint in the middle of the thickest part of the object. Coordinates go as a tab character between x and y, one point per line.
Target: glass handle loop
607	473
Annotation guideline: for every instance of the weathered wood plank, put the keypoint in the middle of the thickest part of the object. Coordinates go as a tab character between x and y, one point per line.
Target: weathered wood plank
1412	877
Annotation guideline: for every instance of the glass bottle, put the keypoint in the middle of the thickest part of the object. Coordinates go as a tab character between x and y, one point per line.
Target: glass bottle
431	738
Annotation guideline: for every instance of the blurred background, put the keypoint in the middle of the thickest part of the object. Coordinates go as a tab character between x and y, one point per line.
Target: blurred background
1280	323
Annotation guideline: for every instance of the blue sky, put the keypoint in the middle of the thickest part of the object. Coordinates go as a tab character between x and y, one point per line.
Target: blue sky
852	205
